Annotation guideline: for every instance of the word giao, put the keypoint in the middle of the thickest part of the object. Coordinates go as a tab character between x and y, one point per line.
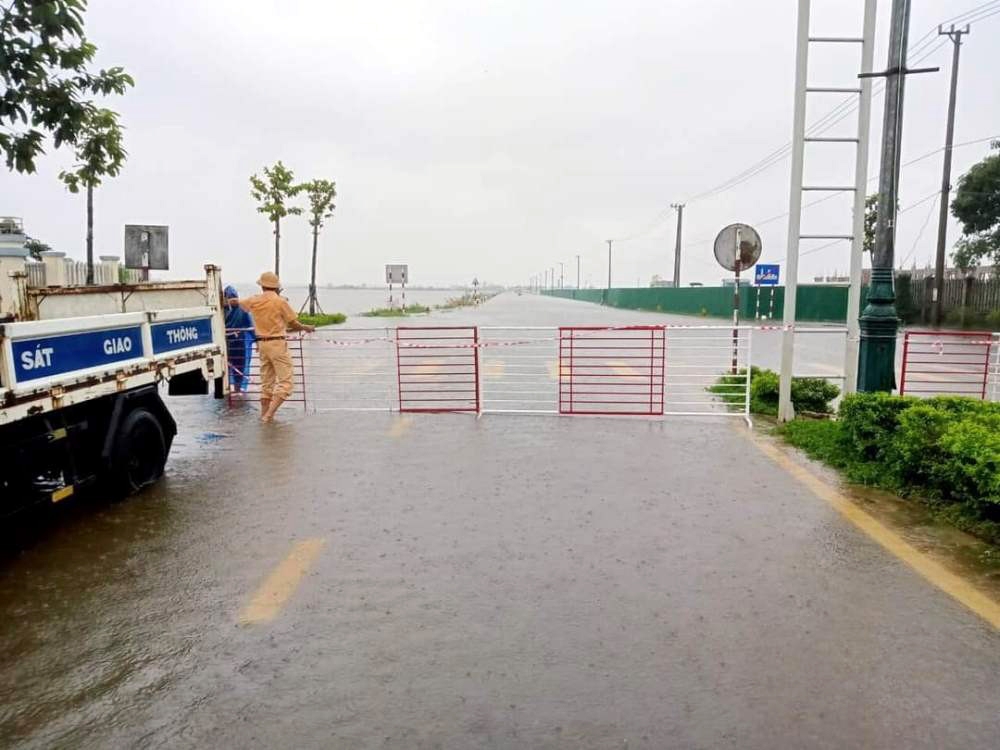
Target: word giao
119	345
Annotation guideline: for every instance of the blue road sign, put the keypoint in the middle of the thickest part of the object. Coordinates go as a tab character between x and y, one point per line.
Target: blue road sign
766	274
45	356
181	334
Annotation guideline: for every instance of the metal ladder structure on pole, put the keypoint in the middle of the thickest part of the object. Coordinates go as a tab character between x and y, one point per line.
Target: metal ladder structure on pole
863	89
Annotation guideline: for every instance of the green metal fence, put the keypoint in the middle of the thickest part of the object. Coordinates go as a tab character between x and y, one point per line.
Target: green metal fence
819	303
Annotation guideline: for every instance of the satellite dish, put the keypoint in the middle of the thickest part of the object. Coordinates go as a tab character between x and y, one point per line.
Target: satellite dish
737	247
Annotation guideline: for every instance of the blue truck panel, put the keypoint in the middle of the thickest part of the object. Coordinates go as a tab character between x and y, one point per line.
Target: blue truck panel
181	334
46	356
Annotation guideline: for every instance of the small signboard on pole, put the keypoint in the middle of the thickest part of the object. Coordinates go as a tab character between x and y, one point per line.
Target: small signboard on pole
397	273
766	274
146	248
737	248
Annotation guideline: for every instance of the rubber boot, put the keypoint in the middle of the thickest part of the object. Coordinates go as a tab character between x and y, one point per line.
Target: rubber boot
276	401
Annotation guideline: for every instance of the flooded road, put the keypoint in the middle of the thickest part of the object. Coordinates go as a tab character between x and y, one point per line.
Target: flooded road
362	580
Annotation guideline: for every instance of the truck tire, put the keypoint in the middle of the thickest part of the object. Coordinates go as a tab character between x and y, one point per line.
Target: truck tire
140	452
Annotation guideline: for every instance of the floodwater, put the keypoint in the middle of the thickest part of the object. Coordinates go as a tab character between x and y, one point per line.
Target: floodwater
353	302
369	580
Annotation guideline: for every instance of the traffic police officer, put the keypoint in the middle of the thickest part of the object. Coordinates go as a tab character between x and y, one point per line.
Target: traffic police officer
273	317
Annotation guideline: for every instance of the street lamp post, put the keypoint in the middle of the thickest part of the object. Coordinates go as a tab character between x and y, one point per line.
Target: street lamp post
879	322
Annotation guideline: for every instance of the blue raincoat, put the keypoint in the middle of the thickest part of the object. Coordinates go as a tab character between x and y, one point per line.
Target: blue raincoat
239	341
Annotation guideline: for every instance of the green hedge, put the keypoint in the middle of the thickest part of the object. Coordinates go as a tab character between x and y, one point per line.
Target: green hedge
811	395
945	449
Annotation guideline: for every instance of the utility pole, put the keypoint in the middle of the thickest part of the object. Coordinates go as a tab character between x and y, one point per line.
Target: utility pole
677	247
879	323
956	41
553	277
577	271
562	270
609	264
546	284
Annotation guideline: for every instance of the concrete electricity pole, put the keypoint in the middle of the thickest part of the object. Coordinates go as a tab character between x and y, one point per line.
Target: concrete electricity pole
562	270
577	271
956	40
609	264
879	322
677	246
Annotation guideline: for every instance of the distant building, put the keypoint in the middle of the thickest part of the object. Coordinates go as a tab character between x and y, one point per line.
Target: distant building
12	237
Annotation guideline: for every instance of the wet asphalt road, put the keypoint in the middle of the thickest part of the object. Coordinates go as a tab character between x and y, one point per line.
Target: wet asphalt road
508	582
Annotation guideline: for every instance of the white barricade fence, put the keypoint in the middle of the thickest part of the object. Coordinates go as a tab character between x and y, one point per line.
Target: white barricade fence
519	370
708	371
696	370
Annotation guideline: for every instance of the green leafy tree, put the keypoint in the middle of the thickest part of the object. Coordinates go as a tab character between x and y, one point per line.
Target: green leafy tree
272	193
321	194
871	219
977	207
99	154
46	84
35	248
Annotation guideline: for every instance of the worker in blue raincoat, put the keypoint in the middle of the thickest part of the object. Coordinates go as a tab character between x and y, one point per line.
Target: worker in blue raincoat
239	340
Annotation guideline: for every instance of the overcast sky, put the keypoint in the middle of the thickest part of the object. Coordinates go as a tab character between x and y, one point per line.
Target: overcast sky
494	139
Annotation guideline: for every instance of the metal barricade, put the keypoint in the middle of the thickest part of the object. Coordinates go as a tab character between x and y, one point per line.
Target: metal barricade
437	368
993	390
519	369
700	377
611	371
351	369
249	377
939	363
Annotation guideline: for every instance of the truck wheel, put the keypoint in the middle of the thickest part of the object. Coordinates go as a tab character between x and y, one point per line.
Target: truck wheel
140	452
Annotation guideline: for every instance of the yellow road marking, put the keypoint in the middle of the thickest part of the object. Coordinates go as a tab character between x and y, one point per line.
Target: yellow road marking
622	368
62	493
282	583
934	572
399	426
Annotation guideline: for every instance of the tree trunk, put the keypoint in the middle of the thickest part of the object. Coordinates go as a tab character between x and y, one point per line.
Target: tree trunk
312	284
90	235
277	247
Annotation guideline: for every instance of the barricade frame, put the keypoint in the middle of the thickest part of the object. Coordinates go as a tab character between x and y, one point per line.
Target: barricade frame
969	377
404	341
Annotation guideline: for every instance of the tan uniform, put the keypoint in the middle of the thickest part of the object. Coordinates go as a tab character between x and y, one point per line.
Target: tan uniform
271	316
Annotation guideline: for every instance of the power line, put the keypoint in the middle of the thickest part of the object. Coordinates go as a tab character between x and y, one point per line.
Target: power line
920	234
925	47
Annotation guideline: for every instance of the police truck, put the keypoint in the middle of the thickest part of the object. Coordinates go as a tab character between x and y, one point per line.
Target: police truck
82	370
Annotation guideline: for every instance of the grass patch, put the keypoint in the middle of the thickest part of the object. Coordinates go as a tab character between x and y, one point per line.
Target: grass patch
943	453
466	300
322	319
397	312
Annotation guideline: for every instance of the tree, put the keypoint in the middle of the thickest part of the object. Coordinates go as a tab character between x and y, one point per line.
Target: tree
871	219
321	194
272	193
977	207
46	83
35	248
99	154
